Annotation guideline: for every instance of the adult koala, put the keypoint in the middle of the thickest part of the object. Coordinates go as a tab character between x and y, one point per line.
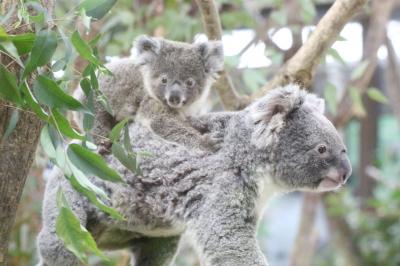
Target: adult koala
280	143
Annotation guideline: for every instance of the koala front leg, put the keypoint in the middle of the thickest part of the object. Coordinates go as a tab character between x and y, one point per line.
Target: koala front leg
224	233
180	132
154	251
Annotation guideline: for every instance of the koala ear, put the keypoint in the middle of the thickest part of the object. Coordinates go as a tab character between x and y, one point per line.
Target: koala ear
315	103
213	55
146	48
269	114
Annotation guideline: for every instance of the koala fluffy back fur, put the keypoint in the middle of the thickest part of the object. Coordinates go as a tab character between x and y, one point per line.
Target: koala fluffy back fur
280	143
162	84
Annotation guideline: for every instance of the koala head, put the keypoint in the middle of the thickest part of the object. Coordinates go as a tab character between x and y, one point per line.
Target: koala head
306	151
177	73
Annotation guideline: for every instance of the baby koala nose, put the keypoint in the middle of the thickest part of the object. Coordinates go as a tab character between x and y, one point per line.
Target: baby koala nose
175	99
345	170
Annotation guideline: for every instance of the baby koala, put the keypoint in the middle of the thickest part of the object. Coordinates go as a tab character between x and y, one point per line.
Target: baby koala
159	87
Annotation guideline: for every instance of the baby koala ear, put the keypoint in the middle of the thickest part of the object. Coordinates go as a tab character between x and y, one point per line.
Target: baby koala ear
146	49
269	114
212	53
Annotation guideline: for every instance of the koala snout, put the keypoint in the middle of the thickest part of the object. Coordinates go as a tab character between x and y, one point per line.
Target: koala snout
175	98
336	176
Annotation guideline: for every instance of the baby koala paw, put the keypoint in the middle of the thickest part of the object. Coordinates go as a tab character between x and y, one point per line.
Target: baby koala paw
104	147
212	141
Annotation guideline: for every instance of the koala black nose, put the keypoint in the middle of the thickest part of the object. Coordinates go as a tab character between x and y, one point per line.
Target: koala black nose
174	99
345	169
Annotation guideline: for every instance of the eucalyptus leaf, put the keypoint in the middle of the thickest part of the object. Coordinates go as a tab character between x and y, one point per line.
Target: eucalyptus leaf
11	123
376	95
9	89
332	52
115	133
129	161
84	50
32	102
49	93
91	163
75	237
97	8
42	51
47	144
22	42
63	125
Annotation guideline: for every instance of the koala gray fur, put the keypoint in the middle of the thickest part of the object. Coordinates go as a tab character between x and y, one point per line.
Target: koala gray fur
159	87
280	143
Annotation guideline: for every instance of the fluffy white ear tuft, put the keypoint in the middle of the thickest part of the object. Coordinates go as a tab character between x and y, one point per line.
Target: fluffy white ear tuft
213	55
146	49
315	103
269	113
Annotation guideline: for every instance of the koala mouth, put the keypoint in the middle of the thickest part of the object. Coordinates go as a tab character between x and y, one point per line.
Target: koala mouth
332	181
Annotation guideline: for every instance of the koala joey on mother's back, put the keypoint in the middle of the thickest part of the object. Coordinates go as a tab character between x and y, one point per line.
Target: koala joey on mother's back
159	87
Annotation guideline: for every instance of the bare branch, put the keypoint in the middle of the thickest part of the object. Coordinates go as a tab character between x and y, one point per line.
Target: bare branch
393	79
381	11
229	97
301	67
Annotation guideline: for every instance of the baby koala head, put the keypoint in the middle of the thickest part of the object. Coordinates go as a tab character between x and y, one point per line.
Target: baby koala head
306	151
176	73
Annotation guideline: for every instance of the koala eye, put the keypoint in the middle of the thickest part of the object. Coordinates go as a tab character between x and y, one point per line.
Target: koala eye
164	80
321	149
190	82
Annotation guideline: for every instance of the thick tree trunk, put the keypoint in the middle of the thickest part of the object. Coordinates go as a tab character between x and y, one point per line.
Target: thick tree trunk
18	149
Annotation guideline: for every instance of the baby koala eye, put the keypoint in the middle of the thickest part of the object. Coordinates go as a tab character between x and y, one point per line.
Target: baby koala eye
190	82
164	80
321	149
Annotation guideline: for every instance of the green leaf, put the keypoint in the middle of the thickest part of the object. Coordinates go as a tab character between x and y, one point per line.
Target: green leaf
9	89
23	42
126	160
279	16
85	85
75	237
47	144
9	49
330	97
43	49
358	106
32	102
63	125
12	123
127	140
91	163
332	52
115	133
97	8
49	93
359	70
83	185
84	50
376	95
308	11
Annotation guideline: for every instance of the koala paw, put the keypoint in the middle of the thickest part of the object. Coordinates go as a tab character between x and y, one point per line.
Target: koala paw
104	147
212	141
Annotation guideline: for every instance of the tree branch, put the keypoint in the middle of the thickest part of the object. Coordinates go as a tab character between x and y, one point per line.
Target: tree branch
381	11
229	97
301	67
18	150
393	79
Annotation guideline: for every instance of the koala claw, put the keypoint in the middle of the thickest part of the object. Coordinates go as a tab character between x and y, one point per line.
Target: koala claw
212	141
